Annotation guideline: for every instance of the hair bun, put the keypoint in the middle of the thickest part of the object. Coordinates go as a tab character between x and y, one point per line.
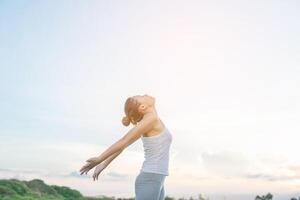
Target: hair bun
125	121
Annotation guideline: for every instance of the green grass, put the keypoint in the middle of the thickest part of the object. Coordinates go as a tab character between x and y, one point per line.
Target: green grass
13	189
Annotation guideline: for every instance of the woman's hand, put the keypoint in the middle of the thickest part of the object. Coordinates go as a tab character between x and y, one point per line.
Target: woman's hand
92	162
99	168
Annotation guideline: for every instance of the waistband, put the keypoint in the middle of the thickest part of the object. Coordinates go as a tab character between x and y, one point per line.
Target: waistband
151	174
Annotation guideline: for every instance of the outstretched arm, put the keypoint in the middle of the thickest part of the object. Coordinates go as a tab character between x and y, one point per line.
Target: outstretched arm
112	157
135	133
101	166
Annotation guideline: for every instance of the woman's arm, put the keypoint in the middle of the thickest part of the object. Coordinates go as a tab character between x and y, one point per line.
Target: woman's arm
112	157
135	133
101	166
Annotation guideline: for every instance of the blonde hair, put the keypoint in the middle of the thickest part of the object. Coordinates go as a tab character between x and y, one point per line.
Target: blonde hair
132	113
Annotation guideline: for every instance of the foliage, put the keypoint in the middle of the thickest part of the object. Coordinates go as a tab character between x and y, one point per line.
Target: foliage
13	189
36	189
294	198
268	196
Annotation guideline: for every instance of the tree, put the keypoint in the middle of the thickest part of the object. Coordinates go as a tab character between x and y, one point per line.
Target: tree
269	196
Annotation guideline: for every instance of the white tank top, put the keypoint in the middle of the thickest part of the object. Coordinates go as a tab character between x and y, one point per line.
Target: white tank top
156	152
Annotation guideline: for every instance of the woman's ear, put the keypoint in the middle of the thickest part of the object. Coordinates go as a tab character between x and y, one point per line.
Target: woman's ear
142	108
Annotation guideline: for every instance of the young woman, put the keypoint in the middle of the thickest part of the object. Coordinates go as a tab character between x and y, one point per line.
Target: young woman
156	138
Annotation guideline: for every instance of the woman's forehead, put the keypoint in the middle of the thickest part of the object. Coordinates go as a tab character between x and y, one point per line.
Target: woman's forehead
137	96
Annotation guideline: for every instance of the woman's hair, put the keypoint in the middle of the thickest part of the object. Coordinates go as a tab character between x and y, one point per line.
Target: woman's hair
132	113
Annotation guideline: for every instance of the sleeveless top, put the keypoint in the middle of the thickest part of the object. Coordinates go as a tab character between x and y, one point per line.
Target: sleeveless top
156	152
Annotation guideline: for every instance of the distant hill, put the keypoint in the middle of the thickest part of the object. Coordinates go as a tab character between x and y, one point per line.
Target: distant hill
36	189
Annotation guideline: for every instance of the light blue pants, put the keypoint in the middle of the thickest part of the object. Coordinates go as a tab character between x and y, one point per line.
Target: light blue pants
149	186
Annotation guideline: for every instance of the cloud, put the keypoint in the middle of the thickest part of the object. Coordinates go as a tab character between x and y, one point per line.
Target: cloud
224	163
290	172
4	172
110	176
195	177
272	177
76	174
38	173
230	164
295	168
115	176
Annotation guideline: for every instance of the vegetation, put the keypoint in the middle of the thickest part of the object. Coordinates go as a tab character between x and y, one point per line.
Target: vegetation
269	196
36	189
294	198
13	189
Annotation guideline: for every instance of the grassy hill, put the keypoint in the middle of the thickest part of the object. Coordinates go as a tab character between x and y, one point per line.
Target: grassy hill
13	189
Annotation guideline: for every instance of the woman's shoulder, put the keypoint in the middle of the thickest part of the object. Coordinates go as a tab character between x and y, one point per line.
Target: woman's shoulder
156	129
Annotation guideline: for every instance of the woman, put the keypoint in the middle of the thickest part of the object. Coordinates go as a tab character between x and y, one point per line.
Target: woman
156	138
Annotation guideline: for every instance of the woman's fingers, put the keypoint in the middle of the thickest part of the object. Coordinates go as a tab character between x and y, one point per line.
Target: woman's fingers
85	169
94	176
91	162
85	166
82	170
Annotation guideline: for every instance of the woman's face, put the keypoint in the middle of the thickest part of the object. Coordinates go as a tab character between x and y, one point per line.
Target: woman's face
145	99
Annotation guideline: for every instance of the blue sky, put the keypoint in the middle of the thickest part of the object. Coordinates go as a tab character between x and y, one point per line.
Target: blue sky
225	76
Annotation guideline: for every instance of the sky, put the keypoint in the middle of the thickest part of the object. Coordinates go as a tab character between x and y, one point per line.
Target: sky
225	75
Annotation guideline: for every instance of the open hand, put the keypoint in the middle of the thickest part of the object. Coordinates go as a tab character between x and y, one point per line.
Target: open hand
92	162
99	168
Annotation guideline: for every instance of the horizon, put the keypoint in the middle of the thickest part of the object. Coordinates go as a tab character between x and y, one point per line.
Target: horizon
237	196
225	78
